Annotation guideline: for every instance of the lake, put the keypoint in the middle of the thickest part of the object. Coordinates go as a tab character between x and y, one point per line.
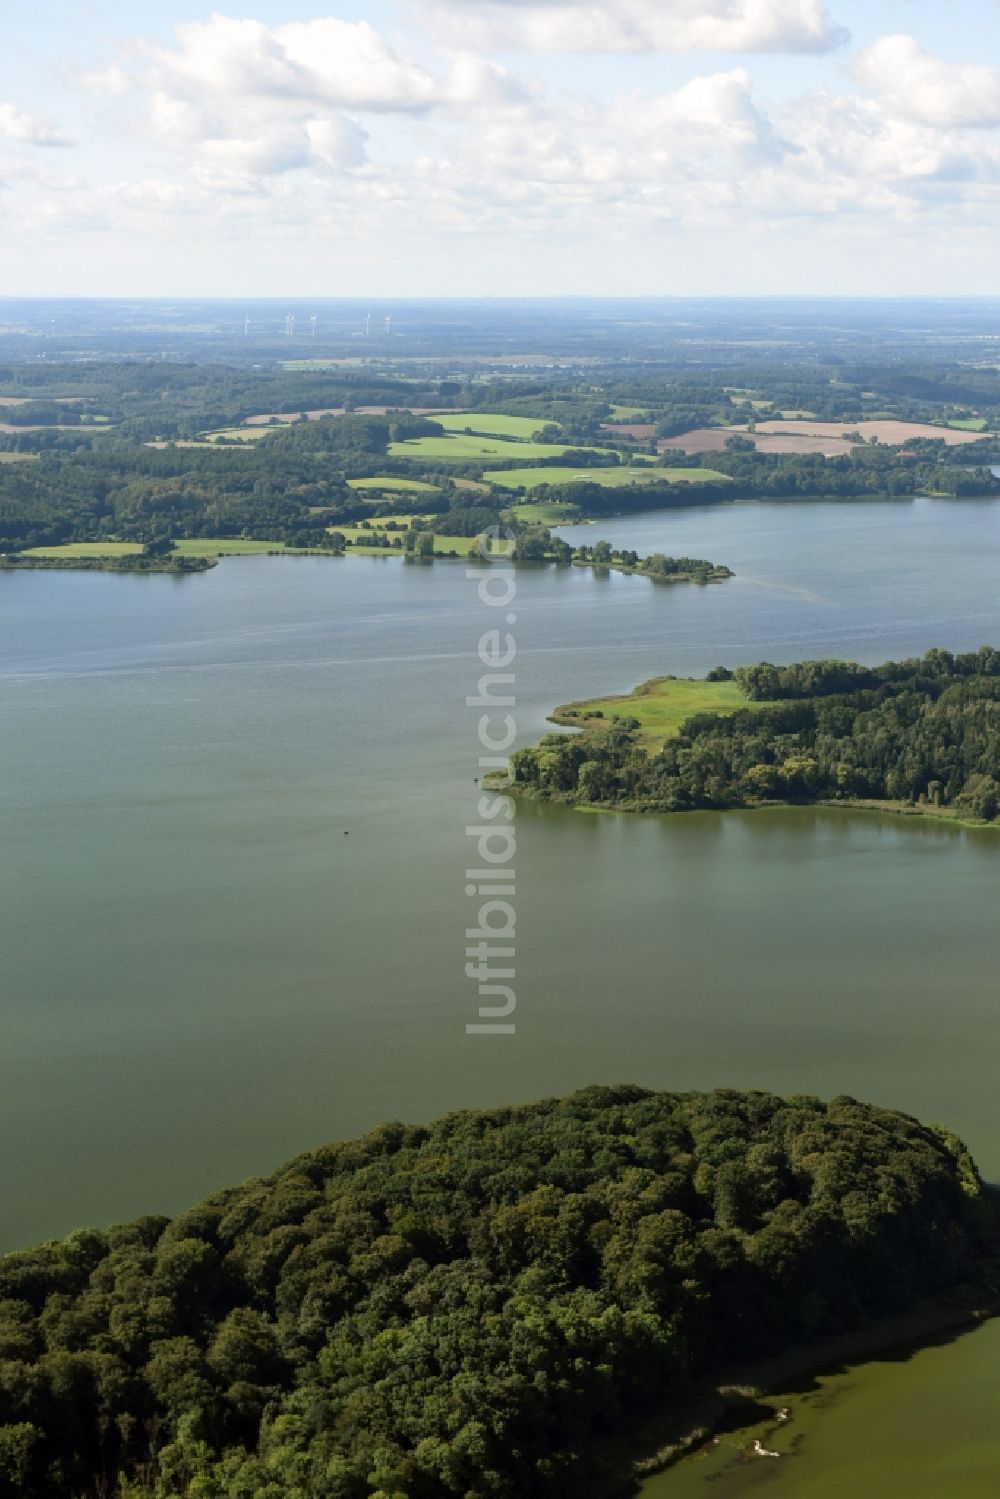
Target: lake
202	975
918	1423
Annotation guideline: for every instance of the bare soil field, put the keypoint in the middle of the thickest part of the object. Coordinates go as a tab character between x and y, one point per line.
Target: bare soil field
892	432
812	436
713	440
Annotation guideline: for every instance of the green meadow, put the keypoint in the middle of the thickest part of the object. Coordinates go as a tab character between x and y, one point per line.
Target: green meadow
239	434
628	413
88	549
661	705
611	478
362	538
18	457
391	484
490	423
461	447
969	423
545	513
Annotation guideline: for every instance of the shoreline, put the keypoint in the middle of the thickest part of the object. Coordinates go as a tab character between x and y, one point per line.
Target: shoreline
895	809
717	574
704	1413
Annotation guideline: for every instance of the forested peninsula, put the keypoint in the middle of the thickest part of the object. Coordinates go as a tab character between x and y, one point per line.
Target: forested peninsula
489	1306
921	734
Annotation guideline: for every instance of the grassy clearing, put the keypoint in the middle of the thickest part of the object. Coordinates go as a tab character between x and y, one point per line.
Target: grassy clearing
239	434
968	423
490	423
459	447
362	538
18	457
661	705
392	485
88	549
610	478
628	413
201	442
546	513
357	531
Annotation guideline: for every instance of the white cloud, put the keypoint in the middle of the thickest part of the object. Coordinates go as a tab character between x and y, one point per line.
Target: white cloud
324	61
33	130
637	25
236	99
314	133
918	85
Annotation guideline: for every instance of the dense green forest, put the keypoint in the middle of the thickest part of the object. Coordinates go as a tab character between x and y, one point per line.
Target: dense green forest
472	1308
925	731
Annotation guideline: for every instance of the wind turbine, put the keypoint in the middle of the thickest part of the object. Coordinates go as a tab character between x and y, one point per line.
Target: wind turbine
312	325
246	327
388	324
368	325
290	325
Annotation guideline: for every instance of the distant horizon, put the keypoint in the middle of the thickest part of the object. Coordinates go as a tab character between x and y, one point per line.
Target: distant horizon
350	298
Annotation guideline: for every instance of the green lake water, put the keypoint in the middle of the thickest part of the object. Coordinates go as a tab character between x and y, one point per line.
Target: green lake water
202	975
915	1424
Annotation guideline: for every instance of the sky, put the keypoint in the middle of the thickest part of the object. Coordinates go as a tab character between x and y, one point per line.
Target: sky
499	147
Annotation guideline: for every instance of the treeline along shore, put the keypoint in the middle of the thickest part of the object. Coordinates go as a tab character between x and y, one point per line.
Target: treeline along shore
497	1304
920	735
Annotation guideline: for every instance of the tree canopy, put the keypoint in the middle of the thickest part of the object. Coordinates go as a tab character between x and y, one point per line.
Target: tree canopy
922	731
466	1308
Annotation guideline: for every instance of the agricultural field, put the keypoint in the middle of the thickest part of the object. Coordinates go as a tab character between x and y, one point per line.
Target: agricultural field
609	478
18	457
81	549
714	439
392	484
661	705
12	428
968	423
890	432
200	442
362	537
491	423
627	413
237	434
460	447
287	418
546	513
